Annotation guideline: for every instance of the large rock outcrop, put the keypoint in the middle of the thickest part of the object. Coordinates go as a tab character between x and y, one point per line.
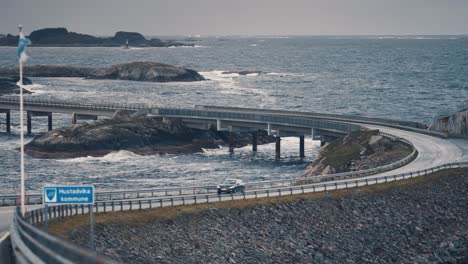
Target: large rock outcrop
141	135
150	71
360	150
61	37
455	124
135	71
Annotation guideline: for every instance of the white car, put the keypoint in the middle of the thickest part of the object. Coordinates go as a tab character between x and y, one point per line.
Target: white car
231	186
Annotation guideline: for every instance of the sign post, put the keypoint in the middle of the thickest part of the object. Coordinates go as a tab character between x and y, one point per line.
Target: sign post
81	194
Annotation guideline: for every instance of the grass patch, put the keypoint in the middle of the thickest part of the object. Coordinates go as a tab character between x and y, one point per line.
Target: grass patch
61	227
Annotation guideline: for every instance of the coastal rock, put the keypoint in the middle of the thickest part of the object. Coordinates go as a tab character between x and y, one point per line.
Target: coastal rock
135	71
61	37
141	135
150	71
8	85
359	150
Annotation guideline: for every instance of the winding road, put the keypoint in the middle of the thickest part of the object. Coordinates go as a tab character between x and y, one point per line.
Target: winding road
433	151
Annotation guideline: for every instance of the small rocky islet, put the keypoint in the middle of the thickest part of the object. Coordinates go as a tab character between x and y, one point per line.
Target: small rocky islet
133	71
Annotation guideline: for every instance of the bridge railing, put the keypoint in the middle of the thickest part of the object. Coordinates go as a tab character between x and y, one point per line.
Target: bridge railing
33	245
36	198
69	104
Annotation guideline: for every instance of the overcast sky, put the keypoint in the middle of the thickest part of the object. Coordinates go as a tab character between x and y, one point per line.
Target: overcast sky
239	17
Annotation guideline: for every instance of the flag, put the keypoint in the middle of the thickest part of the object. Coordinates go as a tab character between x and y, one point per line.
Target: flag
23	42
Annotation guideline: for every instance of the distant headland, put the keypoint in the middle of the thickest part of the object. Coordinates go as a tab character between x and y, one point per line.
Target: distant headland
61	37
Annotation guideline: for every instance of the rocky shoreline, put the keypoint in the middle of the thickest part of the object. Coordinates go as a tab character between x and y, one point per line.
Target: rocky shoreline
422	220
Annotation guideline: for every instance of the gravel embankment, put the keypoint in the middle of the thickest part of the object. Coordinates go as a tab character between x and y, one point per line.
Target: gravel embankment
425	222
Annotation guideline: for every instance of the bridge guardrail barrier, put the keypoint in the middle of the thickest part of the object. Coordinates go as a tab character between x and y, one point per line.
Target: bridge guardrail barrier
36	198
32	244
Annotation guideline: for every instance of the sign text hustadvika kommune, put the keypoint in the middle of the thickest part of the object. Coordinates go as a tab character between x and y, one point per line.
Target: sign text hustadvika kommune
74	191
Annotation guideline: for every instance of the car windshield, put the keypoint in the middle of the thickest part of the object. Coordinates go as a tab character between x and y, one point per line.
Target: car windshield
229	182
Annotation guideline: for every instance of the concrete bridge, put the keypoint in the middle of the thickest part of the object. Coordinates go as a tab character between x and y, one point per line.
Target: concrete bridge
201	117
434	152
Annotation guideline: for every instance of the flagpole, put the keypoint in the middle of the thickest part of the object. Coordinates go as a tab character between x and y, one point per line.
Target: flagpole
23	196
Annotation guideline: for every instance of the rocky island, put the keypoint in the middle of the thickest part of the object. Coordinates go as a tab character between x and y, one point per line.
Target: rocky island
134	71
141	135
360	150
61	37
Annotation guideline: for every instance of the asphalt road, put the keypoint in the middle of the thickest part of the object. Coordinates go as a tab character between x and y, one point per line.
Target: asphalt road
432	152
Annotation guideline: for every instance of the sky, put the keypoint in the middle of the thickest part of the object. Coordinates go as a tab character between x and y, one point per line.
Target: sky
239	17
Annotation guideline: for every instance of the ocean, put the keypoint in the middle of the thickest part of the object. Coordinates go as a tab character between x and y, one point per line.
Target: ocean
413	78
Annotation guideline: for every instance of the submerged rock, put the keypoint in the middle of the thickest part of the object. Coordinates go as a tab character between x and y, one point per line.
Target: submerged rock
141	135
243	72
135	71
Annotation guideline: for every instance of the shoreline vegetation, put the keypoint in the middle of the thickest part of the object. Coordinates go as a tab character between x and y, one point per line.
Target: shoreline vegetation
417	220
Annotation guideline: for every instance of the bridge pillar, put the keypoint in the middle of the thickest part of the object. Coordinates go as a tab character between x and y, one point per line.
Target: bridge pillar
278	148
49	121
7	123
76	117
269	129
231	142
218	125
301	147
28	115
254	141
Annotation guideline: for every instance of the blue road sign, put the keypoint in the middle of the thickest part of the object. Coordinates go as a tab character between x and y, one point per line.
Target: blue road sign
83	194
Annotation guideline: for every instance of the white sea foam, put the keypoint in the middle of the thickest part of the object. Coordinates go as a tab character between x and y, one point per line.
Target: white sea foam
117	156
253	45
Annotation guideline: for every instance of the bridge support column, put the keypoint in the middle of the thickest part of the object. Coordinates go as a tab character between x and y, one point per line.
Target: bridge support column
269	129
278	148
7	121
8	125
49	121
29	126
231	142
301	147
254	141
76	117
